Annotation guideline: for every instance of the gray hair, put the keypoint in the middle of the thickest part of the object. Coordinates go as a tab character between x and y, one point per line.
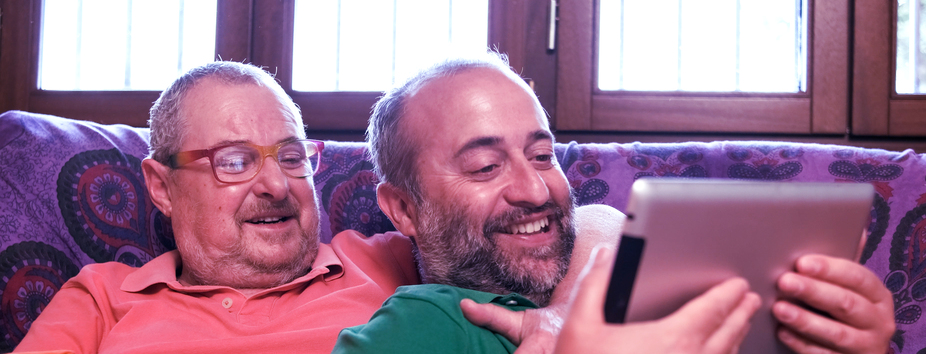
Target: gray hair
392	151
166	119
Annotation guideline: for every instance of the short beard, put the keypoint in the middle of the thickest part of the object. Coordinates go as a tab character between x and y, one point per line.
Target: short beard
237	269
454	250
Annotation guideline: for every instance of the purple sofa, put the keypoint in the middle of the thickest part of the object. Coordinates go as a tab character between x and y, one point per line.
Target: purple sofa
72	193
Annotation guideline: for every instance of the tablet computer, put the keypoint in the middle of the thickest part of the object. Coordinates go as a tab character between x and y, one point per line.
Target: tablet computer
682	237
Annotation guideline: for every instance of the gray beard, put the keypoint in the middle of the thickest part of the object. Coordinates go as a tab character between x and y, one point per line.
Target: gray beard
236	268
453	250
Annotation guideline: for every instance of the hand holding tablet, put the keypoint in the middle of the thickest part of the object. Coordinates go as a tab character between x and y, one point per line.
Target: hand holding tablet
686	236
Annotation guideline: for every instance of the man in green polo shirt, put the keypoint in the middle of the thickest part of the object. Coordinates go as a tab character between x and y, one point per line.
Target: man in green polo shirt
465	155
484	201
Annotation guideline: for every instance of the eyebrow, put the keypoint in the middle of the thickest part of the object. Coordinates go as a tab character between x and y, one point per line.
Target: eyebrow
484	141
478	143
232	142
540	134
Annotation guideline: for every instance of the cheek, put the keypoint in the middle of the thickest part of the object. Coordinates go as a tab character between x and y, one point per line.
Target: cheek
558	186
206	202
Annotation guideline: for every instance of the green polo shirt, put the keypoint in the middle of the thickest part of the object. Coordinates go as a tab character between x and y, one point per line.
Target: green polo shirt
427	319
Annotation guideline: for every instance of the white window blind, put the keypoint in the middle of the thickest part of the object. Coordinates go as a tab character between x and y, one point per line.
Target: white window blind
911	47
702	45
367	45
123	44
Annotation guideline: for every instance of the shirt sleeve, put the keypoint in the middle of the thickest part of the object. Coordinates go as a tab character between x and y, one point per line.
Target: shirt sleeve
72	321
406	325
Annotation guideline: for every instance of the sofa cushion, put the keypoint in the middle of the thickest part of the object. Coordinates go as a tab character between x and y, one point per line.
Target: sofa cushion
71	193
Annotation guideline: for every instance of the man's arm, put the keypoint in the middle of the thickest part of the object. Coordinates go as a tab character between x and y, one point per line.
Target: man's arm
535	330
860	308
71	321
596	224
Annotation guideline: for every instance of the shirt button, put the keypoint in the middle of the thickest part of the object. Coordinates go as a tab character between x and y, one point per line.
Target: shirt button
511	303
227	303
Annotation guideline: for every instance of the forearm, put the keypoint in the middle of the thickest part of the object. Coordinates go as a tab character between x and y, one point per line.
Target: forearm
595	224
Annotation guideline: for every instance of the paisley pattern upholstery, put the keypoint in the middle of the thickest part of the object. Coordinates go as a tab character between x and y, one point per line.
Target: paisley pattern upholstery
71	193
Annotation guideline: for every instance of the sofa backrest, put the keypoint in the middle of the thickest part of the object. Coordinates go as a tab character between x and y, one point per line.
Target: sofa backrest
71	193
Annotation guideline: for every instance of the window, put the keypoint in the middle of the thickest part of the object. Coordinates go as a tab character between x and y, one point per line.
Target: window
701	46
123	45
120	86
911	48
817	106
886	98
821	96
366	45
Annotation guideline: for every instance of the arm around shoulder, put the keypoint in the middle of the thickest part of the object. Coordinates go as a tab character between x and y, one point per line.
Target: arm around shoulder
595	224
411	321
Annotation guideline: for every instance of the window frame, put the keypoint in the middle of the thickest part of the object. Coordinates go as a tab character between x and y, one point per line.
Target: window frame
821	110
877	109
255	31
19	55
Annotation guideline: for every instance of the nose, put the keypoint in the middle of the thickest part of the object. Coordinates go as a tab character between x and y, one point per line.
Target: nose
271	183
526	186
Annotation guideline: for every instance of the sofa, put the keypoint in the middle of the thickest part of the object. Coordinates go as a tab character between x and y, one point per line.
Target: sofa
72	193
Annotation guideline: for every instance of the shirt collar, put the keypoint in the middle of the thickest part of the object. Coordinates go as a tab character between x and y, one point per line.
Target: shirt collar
164	270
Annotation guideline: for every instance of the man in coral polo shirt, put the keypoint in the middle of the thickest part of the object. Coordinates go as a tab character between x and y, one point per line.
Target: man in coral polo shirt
231	167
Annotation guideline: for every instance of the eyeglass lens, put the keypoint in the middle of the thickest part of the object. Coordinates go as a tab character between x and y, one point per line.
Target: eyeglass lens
241	162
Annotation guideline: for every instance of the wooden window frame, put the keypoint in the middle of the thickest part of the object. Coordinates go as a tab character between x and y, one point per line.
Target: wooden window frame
19	55
259	32
877	109
821	110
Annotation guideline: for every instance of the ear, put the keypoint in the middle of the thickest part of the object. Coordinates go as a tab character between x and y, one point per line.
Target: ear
156	180
397	205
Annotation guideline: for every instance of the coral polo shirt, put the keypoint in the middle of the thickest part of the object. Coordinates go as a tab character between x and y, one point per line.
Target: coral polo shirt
114	308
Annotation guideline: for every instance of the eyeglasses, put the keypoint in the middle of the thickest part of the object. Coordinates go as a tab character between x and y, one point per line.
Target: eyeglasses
240	162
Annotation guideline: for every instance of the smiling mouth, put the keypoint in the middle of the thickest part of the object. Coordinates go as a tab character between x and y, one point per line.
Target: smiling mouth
269	220
542	225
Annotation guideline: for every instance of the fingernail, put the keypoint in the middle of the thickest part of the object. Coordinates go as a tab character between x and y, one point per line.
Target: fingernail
789	283
603	253
809	265
784	312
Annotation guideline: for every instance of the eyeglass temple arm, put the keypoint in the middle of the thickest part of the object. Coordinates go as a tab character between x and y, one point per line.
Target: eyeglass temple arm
185	157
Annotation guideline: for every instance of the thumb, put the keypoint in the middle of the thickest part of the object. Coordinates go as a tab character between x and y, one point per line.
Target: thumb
496	318
589	295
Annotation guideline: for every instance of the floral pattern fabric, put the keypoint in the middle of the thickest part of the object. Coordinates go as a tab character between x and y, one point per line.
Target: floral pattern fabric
71	194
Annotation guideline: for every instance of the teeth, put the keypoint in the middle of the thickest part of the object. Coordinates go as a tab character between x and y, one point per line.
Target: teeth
528	228
268	220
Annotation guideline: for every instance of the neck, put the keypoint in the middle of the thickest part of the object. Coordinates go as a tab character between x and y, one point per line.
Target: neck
247	283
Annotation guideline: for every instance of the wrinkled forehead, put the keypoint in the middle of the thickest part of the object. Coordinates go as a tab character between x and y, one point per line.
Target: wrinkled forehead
218	111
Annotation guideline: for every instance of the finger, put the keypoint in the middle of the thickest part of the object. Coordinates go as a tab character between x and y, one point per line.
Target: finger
841	303
843	273
589	295
799	344
731	333
808	330
496	318
711	308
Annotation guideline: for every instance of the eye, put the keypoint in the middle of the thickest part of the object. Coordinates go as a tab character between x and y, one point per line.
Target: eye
543	161
487	169
292	159
234	163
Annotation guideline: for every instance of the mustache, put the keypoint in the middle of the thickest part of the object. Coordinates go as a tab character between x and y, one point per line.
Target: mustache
262	207
498	223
